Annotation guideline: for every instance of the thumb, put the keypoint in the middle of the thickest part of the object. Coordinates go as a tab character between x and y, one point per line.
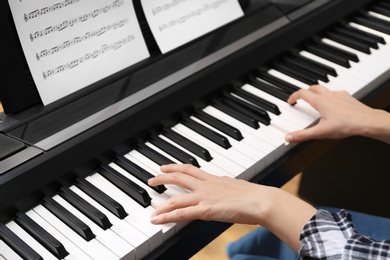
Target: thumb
302	135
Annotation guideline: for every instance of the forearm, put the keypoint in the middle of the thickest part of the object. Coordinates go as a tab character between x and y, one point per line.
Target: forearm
377	126
285	215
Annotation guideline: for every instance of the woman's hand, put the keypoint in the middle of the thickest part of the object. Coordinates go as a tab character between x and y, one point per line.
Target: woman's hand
341	114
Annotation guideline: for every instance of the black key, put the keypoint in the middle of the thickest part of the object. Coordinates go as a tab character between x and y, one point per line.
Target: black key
258	101
373	23
138	172
41	235
188	144
316	65
349	41
68	218
318	73
381	9
287	87
18	245
237	115
220	125
207	132
274	91
153	155
132	189
328	54
350	31
106	201
297	73
174	151
87	209
250	110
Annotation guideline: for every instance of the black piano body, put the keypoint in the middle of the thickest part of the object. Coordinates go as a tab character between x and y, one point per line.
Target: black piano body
72	137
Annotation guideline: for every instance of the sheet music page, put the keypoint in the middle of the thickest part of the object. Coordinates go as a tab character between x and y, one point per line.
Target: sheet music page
176	22
70	44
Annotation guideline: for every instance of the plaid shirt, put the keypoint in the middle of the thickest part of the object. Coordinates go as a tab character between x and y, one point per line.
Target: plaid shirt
333	236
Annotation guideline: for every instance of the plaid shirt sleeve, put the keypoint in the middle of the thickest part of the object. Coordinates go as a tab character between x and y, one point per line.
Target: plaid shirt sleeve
333	236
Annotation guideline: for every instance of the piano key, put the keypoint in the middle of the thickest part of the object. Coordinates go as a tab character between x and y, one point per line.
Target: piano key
130	188
253	99
288	79
68	218
210	167
218	139
7	252
288	88
232	161
172	150
17	244
236	114
328	54
122	228
372	22
138	216
298	63
137	172
95	215
349	41
108	239
110	204
188	144
380	9
316	65
93	248
28	239
74	250
385	36
296	72
349	31
153	155
41	235
276	92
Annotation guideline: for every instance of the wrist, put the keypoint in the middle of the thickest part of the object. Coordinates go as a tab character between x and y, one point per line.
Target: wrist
377	125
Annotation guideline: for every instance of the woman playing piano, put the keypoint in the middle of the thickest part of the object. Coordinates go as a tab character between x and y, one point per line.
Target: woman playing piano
305	230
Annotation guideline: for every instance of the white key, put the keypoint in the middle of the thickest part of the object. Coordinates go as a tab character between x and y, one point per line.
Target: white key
138	216
74	250
121	227
8	253
107	238
23	235
93	247
380	16
286	78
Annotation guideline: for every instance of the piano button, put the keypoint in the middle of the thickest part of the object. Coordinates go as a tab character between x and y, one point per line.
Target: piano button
188	144
349	41
235	165
287	87
108	239
253	99
28	239
385	36
318	73
139	216
110	204
95	215
41	235
7	252
129	187
288	79
373	22
368	35
315	65
210	167
74	250
122	228
296	72
68	218
93	248
218	139
173	151
17	244
328	54
161	152
272	90
153	155
236	114
137	172
256	112
381	9
349	31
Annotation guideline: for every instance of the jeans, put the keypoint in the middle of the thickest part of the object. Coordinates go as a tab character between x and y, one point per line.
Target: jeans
261	244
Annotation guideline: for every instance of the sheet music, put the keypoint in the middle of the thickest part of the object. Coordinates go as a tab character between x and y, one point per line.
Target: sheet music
176	22
70	44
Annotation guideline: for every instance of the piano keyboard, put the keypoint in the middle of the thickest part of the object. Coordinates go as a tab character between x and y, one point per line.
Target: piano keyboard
106	215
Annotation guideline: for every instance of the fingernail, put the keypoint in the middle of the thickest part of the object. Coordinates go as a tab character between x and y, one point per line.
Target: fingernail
163	167
154	220
289	138
150	181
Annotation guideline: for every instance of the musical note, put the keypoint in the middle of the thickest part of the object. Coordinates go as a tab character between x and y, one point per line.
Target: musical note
48	9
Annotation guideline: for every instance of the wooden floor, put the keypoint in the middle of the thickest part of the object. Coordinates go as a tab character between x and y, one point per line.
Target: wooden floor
216	249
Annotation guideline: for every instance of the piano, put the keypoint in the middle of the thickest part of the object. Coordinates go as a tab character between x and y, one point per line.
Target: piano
72	173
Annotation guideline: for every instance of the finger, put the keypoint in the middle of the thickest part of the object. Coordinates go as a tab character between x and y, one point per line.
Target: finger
177	202
187	169
305	94
179	215
176	178
304	135
319	89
